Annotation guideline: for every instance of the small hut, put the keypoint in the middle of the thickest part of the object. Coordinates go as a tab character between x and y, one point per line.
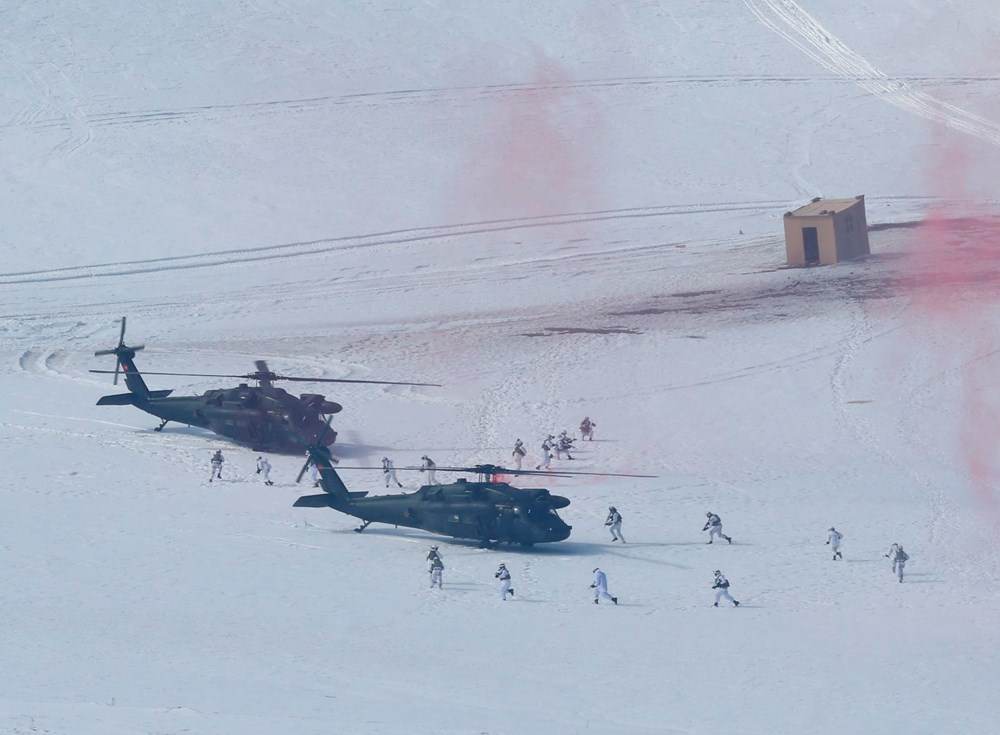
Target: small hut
827	231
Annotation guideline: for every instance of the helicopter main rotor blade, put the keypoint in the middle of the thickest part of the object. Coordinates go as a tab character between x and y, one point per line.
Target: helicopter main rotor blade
257	376
457	469
347	380
193	375
145	373
496	470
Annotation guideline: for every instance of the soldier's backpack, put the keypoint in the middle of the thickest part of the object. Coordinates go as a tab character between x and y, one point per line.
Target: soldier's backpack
902	556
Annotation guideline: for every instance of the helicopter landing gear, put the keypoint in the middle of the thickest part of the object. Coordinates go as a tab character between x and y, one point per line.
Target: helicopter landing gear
162	424
362	527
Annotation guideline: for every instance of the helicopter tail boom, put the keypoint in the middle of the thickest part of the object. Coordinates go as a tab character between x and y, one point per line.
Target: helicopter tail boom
323	500
131	399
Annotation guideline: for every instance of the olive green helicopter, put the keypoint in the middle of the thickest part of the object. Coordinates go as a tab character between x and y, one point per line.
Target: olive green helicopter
261	416
488	510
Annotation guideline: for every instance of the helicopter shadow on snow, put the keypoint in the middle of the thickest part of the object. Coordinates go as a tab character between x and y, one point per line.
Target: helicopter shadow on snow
192	431
561	548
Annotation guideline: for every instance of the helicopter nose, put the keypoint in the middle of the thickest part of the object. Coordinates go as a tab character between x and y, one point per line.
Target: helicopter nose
559	533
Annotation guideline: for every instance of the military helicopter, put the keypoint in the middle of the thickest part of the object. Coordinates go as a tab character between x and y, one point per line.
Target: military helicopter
486	510
263	417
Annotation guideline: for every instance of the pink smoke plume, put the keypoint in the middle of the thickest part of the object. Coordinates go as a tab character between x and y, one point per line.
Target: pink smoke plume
536	151
952	279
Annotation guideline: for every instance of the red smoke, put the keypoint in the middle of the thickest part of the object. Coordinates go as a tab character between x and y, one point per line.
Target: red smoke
535	151
952	280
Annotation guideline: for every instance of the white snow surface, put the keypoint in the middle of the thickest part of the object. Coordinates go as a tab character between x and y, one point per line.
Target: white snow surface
554	210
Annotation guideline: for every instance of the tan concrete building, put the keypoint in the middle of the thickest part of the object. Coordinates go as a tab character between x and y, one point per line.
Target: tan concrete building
827	231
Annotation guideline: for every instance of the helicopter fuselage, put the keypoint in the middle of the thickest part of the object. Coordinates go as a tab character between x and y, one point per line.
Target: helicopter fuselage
484	511
267	419
263	416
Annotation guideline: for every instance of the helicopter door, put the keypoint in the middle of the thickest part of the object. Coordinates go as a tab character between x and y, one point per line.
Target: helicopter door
505	522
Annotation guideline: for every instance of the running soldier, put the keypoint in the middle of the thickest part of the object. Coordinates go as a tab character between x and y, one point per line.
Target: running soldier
518	454
614	521
264	468
427	465
891	556
389	471
587	429
899	559
600	587
546	454
436	567
217	461
721	588
504	576
834	540
714	527
433	554
562	446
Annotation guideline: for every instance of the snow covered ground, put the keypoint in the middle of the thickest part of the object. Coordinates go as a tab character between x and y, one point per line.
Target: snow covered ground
555	210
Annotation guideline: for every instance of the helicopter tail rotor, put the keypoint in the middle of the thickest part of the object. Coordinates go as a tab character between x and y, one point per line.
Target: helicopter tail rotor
122	351
337	494
318	453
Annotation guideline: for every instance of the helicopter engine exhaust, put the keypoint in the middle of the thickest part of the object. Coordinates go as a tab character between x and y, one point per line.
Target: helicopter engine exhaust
318	403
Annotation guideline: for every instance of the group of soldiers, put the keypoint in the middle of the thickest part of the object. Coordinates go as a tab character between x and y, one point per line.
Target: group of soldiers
713	525
560	445
264	469
553	447
426	465
217	460
435	569
895	554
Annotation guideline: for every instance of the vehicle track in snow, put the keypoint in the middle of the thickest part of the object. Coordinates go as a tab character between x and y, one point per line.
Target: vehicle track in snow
343	243
790	21
82	122
392	237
